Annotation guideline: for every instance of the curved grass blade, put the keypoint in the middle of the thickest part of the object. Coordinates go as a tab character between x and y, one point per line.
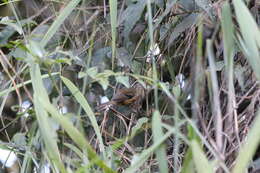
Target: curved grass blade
83	102
58	22
75	135
251	35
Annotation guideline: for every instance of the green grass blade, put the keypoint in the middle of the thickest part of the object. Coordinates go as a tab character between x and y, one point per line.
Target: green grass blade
150	23
251	35
201	162
157	133
228	34
48	133
6	91
113	18
191	123
188	164
228	38
75	135
139	161
152	47
83	102
58	22
249	147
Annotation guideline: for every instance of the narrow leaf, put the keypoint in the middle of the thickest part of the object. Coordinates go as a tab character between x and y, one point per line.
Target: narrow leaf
157	133
83	102
58	22
201	162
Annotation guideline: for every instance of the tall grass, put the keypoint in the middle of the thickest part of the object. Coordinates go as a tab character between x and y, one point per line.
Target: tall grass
203	153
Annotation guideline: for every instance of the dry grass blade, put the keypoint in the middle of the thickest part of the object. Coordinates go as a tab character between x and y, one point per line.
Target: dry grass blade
216	100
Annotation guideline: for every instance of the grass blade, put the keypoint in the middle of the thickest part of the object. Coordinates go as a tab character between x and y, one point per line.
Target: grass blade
146	153
157	133
113	18
48	133
6	91
75	135
83	102
201	162
58	22
249	147
250	34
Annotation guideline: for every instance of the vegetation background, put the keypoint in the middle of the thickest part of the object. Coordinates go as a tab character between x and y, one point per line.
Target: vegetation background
198	64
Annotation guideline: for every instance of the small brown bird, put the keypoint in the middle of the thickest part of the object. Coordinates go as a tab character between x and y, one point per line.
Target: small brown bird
131	97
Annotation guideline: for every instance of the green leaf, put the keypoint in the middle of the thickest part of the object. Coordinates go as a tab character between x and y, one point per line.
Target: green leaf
228	35
131	15
201	162
186	23
157	133
113	18
188	164
75	135
92	72
138	126
82	74
251	35
19	139
48	133
104	83
5	34
249	146
36	49
11	23
141	158
123	80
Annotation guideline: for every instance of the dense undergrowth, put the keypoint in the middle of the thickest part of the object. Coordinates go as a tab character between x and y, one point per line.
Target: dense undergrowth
182	78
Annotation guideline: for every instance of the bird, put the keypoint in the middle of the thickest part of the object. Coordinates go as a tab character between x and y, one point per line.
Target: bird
131	97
